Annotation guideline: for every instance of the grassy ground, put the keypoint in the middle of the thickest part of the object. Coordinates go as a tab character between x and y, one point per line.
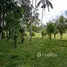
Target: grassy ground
34	54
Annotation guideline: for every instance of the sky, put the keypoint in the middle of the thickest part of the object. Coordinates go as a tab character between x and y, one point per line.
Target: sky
59	6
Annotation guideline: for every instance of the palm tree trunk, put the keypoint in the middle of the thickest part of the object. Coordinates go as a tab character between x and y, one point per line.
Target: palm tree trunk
3	15
0	26
30	31
50	37
3	18
8	35
42	18
0	18
54	36
61	34
31	25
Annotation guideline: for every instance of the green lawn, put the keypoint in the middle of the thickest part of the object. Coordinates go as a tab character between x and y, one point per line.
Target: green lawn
25	55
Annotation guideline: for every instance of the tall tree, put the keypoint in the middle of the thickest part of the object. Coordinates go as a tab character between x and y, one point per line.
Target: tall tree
27	16
5	7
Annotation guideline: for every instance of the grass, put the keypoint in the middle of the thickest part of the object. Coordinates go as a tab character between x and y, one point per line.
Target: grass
25	55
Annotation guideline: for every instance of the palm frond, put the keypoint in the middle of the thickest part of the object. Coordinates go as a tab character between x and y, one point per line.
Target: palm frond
38	4
50	4
47	4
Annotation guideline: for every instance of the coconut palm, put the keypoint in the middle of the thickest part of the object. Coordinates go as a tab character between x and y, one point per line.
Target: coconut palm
45	3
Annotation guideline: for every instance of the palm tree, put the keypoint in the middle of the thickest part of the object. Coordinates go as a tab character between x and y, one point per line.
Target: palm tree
50	29
61	26
44	4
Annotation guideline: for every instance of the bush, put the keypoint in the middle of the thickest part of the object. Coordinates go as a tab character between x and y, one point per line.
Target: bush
43	33
3	34
25	34
33	34
21	30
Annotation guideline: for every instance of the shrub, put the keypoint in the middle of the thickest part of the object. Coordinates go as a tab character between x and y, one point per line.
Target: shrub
21	30
33	34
